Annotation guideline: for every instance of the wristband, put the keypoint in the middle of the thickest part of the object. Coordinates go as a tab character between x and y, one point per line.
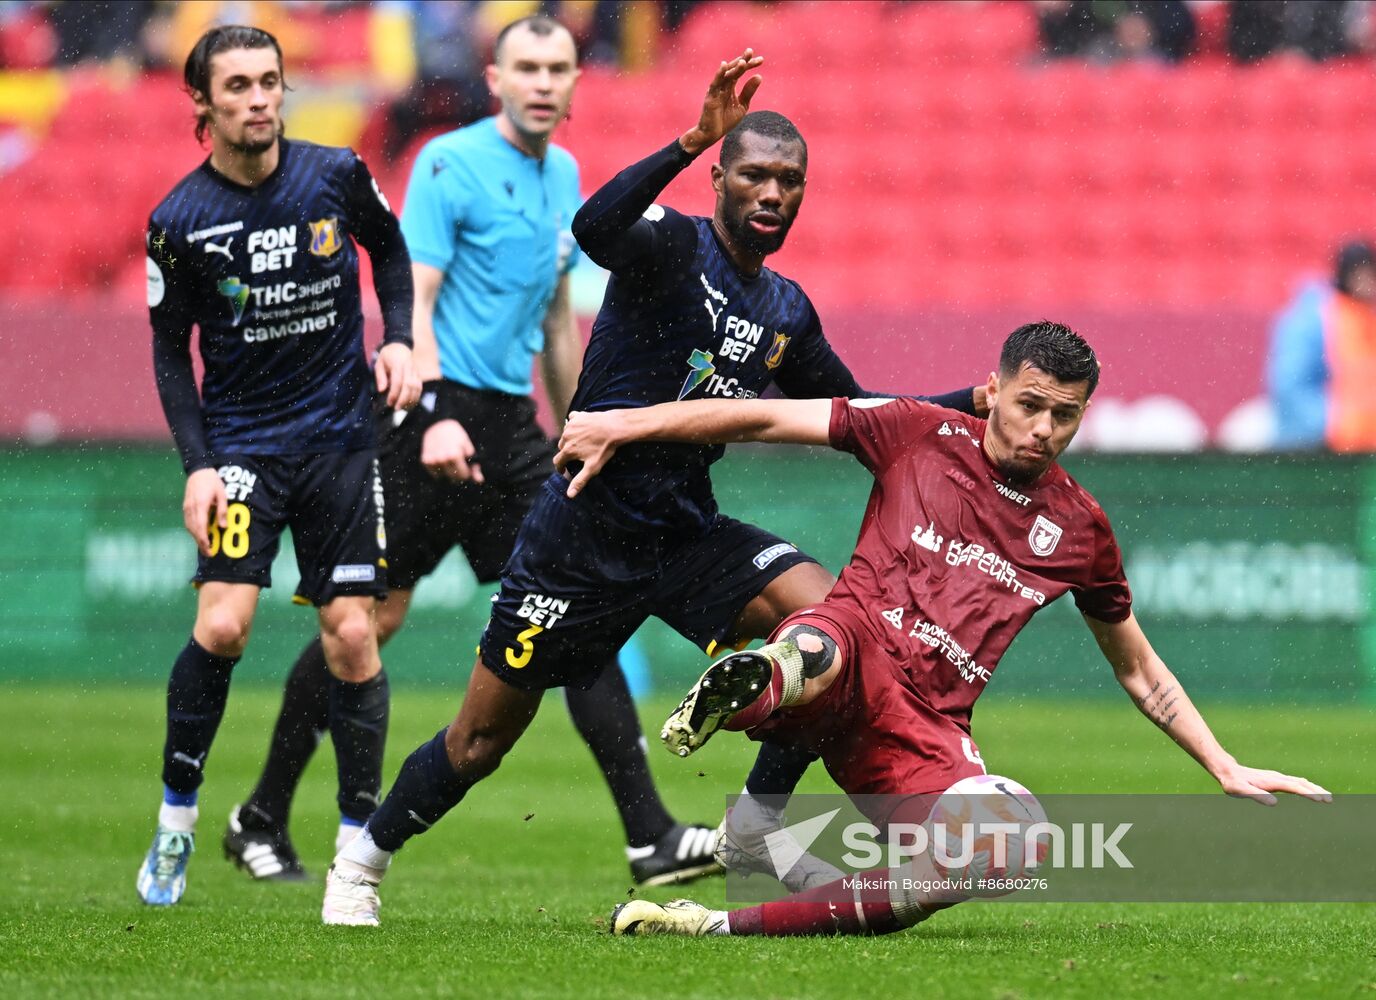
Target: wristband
439	400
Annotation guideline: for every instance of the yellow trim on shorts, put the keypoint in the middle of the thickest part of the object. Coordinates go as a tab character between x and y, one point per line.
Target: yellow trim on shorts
305	602
714	647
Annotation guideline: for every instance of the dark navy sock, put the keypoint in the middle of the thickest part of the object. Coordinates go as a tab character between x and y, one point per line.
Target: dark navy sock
301	724
358	729
197	692
778	770
605	717
426	788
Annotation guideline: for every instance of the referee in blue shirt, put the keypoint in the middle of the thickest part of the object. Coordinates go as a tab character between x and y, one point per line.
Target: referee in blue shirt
487	222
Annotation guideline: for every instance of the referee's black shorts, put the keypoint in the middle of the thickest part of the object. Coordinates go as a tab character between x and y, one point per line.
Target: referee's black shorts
429	515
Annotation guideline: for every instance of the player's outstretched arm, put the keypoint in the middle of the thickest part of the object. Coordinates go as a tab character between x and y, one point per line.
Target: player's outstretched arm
1160	697
593	438
723	108
611	227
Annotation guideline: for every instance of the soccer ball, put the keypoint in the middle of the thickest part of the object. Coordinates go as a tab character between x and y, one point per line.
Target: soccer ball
979	830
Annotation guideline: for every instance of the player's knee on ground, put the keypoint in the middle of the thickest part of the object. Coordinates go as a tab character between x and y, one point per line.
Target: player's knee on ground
222	630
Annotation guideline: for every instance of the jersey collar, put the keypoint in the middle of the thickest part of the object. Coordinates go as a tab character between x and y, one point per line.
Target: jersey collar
284	151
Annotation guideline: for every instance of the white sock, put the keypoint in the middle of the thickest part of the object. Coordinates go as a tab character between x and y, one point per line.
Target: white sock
724	927
364	856
179	818
755	815
345	836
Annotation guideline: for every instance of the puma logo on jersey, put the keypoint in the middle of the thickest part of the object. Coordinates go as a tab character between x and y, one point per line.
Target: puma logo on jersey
209	247
712	295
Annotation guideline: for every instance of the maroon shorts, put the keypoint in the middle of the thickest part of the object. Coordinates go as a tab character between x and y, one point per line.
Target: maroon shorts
873	730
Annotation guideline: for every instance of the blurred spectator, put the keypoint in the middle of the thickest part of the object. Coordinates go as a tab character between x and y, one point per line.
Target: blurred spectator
1107	30
1319	29
99	30
453	41
1322	368
449	90
676	11
594	24
1162	30
1069	28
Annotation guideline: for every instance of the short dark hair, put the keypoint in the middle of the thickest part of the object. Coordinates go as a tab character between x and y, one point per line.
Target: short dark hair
1350	257
769	124
221	39
1053	348
541	25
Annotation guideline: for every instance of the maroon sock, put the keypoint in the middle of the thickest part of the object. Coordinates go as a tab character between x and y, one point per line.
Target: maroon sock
827	909
762	707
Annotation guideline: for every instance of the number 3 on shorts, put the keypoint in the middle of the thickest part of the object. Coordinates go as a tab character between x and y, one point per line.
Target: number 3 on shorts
235	536
516	660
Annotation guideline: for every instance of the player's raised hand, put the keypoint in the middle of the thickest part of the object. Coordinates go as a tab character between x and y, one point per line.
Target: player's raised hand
590	438
1259	785
396	375
723	108
203	501
447	450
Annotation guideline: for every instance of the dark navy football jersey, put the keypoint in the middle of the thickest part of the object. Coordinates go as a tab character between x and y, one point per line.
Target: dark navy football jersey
682	322
269	275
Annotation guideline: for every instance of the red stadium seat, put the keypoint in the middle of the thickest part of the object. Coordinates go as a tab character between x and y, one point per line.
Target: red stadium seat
966	171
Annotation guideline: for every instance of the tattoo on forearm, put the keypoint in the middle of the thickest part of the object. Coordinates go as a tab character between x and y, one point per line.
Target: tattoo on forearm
1156	705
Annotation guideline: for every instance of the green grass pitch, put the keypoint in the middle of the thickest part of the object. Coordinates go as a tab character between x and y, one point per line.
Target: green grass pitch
509	896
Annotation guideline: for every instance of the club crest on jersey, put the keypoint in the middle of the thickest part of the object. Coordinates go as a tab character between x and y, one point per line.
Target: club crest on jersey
702	368
1043	536
237	293
325	238
775	356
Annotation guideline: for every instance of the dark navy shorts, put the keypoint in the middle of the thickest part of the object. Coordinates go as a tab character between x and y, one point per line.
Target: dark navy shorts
428	515
333	504
581	581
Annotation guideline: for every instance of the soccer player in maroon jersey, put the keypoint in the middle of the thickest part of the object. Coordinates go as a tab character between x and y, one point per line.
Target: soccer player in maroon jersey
971	528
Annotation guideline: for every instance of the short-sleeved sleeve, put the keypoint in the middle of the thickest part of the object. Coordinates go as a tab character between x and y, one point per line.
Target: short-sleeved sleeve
878	430
1106	597
437	200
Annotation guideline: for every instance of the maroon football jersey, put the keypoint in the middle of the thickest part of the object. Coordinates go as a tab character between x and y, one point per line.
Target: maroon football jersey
952	561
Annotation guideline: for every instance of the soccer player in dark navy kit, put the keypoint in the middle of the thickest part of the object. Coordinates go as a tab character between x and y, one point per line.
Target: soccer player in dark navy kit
970	530
690	312
486	221
254	249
